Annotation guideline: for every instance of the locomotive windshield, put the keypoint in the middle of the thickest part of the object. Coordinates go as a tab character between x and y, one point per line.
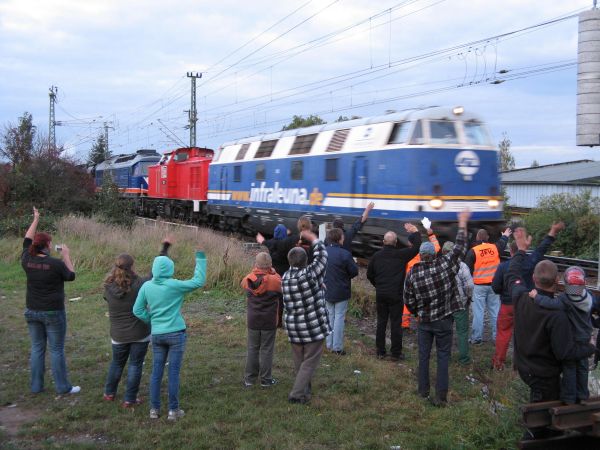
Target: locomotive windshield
141	169
399	133
443	132
476	134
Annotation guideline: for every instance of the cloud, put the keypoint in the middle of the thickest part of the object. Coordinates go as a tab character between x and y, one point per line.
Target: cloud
126	60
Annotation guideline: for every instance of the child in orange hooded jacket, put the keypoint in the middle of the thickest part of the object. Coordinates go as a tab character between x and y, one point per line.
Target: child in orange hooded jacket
263	290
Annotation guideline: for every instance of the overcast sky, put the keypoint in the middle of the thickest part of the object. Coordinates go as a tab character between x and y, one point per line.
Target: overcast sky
125	62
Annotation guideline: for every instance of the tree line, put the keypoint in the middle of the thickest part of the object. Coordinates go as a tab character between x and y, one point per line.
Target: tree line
35	173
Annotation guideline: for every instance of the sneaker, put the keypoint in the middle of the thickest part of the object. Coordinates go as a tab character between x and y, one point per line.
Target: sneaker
268	383
475	342
438	402
339	352
138	401
175	414
108	397
381	355
399	357
154	414
77	390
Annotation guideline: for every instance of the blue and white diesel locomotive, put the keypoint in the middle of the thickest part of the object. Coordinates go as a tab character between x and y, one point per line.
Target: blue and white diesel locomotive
429	162
128	172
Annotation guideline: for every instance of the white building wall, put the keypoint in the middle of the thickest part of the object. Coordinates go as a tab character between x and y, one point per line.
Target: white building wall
528	195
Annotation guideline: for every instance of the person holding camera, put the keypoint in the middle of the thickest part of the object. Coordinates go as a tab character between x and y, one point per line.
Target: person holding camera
45	312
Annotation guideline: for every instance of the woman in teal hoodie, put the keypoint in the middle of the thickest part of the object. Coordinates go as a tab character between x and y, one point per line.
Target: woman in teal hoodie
159	304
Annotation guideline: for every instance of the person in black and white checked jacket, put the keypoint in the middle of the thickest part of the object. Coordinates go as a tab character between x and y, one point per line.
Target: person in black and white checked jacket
430	293
304	315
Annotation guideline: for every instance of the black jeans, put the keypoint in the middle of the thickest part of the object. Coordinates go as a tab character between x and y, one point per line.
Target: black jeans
389	308
541	389
441	331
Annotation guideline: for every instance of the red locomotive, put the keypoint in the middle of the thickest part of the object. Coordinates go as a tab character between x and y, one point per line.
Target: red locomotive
181	180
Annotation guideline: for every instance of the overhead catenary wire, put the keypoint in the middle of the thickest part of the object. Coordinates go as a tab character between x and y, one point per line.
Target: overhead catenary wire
514	76
279	36
162	107
329	82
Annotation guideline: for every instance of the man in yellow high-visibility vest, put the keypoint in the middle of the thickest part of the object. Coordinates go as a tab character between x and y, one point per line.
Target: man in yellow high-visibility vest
483	260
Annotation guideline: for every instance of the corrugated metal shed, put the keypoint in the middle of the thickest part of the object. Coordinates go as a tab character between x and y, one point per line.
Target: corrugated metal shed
524	187
583	171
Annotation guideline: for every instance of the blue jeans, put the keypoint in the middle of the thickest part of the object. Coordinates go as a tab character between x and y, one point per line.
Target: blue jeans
48	326
337	319
171	346
136	352
484	298
574	381
441	331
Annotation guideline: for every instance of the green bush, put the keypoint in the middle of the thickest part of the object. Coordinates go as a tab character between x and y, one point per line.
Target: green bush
110	208
581	215
15	220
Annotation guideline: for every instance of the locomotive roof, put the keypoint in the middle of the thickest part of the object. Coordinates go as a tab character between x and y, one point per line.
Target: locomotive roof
430	112
125	160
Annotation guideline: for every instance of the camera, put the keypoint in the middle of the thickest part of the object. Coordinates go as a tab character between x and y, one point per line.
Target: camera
58	248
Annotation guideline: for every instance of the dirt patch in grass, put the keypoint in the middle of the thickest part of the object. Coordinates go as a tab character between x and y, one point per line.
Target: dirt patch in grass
12	417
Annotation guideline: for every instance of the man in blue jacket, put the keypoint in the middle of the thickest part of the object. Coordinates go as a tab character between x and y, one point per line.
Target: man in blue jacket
356	227
341	268
506	314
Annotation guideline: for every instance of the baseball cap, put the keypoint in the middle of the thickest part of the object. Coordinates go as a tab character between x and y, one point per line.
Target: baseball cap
574	278
447	247
427	248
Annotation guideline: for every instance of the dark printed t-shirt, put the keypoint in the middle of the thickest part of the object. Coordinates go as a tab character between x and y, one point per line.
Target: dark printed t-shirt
45	280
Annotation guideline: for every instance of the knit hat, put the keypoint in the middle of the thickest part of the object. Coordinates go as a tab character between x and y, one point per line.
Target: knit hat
427	248
447	247
338	223
574	278
280	232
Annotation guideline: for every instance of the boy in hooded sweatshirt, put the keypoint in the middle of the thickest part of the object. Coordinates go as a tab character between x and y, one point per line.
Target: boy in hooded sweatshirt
263	289
576	301
159	304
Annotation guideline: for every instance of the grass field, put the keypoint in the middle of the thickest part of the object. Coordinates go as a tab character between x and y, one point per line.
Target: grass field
375	409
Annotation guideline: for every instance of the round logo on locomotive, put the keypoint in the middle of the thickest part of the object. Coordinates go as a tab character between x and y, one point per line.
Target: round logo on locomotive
467	164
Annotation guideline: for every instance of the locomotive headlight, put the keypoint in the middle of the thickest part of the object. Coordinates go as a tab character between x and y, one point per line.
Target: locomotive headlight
436	203
493	203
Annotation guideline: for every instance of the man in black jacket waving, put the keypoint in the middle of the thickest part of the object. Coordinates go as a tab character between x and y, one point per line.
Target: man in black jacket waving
542	337
386	272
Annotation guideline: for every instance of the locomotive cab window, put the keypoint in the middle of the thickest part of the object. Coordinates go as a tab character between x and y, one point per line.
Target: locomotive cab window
399	133
297	170
476	133
237	174
265	149
417	136
331	169
443	132
183	156
141	168
260	172
303	144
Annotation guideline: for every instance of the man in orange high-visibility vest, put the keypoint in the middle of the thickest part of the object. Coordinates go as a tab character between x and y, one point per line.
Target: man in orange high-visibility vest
483	260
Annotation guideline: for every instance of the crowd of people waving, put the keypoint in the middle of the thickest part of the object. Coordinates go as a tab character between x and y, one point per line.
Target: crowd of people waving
303	285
